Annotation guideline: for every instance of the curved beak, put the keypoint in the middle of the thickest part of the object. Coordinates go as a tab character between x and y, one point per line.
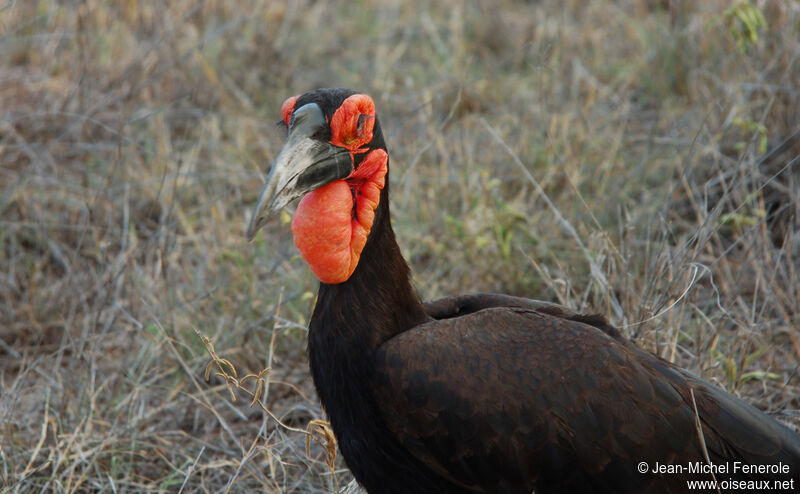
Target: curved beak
304	164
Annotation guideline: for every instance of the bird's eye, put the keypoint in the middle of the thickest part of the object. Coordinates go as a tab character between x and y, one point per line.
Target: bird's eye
361	127
353	122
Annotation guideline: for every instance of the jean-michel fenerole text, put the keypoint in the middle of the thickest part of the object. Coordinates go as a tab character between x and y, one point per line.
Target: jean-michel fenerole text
731	468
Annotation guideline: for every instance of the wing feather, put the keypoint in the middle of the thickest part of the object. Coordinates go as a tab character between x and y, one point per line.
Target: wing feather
502	398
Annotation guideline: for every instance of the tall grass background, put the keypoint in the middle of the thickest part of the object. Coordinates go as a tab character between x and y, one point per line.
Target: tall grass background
637	158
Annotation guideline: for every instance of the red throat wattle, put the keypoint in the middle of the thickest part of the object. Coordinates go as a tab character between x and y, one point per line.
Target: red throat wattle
332	223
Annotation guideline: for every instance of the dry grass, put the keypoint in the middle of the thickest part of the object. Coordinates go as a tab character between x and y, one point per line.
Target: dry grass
638	158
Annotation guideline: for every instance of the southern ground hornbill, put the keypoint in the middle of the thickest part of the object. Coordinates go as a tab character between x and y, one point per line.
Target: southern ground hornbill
482	393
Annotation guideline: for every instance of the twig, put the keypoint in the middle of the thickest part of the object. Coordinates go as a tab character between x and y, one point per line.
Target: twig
191	469
699	428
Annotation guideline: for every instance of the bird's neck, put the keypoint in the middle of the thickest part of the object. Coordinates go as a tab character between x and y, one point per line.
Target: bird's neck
352	319
378	301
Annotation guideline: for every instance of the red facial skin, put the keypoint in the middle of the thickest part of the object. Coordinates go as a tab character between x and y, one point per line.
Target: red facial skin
353	122
332	223
287	108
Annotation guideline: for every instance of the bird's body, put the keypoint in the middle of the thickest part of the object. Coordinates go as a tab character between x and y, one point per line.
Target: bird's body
483	393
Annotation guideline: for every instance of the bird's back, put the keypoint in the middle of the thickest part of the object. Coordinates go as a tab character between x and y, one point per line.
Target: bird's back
504	399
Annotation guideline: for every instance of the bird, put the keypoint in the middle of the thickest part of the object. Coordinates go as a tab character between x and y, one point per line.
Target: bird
482	393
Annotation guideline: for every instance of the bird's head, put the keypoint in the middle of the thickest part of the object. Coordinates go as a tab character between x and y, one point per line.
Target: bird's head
335	159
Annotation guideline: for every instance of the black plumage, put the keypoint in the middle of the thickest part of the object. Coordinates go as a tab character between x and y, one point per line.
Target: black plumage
491	393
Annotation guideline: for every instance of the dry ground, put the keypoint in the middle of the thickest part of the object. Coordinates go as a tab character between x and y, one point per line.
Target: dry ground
637	158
